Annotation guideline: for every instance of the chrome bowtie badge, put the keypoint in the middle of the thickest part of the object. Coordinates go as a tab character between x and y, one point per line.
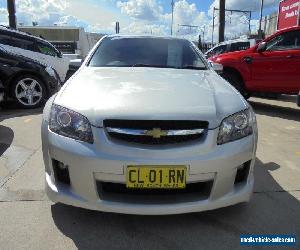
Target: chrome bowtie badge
156	133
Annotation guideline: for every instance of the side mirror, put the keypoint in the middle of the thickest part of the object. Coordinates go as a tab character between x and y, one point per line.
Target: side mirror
76	63
217	67
262	47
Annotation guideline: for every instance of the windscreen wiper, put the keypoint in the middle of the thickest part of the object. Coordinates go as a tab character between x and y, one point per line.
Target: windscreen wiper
151	65
193	67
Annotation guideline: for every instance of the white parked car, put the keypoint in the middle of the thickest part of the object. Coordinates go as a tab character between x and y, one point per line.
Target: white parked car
35	48
231	46
146	126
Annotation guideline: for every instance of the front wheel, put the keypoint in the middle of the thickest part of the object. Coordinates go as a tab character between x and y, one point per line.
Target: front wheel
236	82
29	91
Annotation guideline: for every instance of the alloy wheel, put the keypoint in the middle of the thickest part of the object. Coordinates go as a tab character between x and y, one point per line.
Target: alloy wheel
28	91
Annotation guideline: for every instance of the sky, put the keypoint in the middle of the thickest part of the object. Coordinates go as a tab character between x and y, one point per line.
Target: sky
139	16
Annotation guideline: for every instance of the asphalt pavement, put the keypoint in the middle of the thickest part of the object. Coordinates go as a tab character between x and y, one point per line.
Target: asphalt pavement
28	220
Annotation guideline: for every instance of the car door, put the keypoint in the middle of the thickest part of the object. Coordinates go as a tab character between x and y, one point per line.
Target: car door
278	68
52	57
7	62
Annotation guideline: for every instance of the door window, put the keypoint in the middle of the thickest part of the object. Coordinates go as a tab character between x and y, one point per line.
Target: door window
239	46
46	49
17	42
22	43
285	41
220	50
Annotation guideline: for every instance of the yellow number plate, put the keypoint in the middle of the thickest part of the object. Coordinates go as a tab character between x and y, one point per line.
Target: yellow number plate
160	177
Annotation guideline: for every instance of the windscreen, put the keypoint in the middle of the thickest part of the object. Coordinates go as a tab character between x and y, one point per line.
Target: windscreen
146	52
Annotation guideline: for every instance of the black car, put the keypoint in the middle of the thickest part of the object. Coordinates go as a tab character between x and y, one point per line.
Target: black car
25	80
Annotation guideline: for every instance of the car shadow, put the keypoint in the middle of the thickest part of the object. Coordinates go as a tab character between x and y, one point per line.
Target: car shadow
6	133
272	110
287	98
6	138
271	210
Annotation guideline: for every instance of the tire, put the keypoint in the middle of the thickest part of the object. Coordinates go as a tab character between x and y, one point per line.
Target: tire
28	91
236	82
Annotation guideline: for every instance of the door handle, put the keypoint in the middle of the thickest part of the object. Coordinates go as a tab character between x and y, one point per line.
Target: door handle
290	56
248	59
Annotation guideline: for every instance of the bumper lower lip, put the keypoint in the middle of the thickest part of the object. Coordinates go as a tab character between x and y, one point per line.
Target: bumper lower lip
62	195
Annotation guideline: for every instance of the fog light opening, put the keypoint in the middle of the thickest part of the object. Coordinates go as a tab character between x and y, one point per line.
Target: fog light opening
61	172
242	173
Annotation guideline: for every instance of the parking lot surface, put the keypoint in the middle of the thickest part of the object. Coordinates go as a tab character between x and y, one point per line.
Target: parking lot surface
28	220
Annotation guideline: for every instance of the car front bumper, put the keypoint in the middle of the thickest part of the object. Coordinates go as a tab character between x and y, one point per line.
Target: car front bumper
106	161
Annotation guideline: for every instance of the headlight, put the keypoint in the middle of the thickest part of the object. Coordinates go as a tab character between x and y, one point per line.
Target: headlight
71	124
50	71
236	126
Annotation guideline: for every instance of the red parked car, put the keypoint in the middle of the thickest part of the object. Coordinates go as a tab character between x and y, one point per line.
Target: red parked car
272	66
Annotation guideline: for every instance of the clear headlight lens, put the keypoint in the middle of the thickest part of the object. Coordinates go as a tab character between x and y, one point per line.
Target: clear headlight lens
236	126
71	124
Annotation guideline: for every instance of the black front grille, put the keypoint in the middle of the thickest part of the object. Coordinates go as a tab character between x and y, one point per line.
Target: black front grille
119	193
161	124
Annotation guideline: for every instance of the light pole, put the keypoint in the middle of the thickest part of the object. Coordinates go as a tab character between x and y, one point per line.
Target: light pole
11	8
172	4
221	20
260	32
213	27
202	30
